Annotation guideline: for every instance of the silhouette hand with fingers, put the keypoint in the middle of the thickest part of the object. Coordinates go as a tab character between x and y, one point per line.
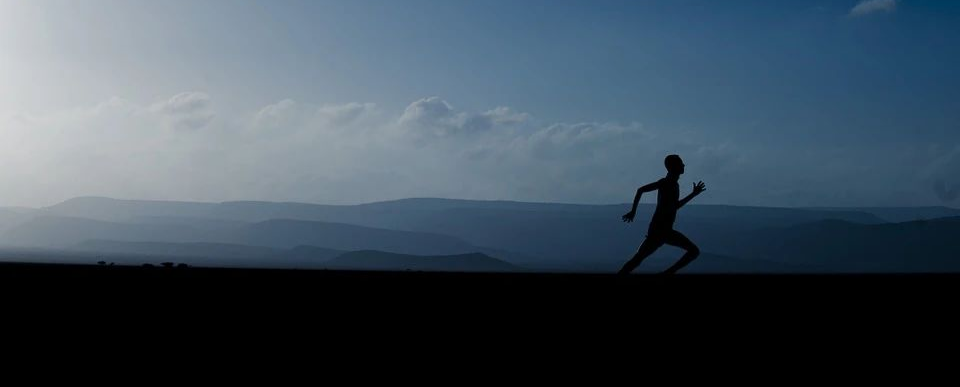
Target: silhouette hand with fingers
698	188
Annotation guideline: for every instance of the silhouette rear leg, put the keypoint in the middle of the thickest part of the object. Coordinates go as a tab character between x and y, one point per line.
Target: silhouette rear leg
677	239
646	248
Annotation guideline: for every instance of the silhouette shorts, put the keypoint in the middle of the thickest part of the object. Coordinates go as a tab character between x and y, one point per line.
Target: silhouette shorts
657	238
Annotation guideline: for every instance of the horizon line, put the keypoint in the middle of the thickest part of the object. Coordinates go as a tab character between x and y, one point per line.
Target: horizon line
462	199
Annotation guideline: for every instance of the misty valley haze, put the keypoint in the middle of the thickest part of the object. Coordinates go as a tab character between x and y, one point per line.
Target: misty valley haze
465	235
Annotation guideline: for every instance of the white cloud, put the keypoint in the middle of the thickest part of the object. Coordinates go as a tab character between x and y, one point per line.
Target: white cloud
349	153
866	7
427	111
505	115
290	150
339	115
433	117
277	111
189	110
184	103
291	114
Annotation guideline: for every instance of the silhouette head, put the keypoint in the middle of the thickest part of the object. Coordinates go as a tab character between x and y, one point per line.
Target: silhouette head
674	165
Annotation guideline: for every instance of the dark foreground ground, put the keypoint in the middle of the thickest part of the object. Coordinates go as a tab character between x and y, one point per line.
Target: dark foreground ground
161	305
321	288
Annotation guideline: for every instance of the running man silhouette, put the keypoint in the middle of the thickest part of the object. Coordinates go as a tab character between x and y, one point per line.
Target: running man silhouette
661	230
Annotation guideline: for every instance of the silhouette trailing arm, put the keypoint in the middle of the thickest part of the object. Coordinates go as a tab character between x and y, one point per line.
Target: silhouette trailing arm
628	217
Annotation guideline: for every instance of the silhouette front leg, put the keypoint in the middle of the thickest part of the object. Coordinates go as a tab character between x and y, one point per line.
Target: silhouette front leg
684	261
647	248
631	264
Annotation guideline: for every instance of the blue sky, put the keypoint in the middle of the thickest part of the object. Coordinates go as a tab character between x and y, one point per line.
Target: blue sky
779	103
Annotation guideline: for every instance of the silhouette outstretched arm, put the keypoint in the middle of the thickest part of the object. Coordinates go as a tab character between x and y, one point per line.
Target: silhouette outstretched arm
628	217
698	188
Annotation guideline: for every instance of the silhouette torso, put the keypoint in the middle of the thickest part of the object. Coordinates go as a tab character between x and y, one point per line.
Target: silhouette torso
668	197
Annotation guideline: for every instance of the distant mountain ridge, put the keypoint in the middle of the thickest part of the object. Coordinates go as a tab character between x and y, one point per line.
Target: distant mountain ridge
552	236
51	231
